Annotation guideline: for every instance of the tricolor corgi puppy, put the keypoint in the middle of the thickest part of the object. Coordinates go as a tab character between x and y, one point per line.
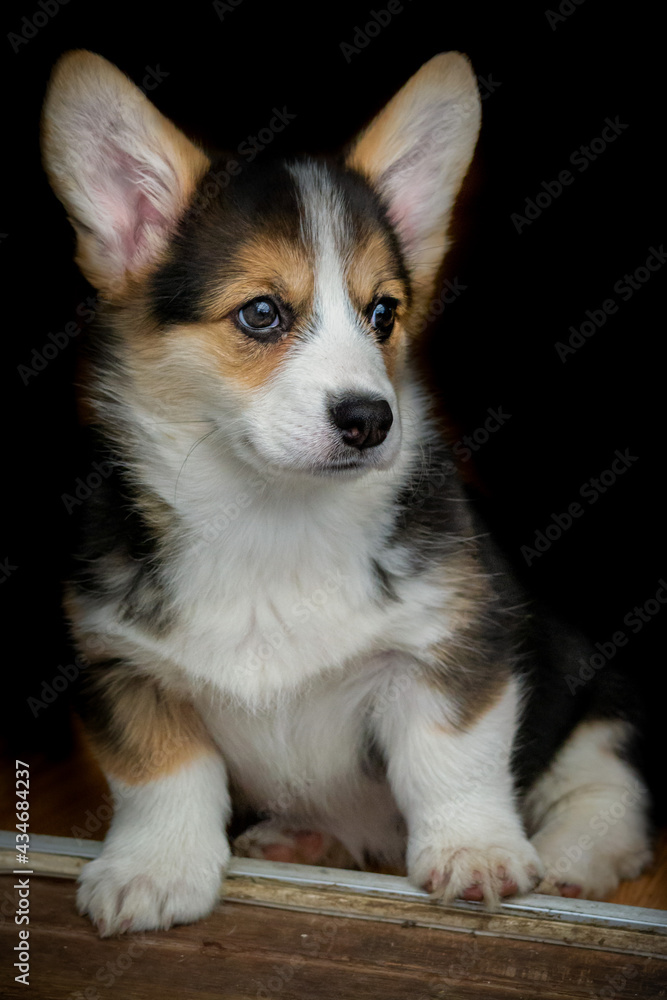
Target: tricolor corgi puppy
282	592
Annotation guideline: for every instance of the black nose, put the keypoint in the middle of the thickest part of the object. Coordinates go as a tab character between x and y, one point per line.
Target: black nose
364	423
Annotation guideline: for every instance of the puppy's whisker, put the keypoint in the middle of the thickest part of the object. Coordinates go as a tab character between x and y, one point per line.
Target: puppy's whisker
191	450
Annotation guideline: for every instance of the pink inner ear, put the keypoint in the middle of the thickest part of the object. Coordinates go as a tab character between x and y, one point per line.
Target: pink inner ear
414	183
403	216
146	215
126	192
413	191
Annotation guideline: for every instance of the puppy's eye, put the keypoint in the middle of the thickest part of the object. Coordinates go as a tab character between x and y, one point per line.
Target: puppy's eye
383	316
261	317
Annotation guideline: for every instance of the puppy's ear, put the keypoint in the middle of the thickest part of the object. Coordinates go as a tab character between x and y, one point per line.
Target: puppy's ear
123	171
416	153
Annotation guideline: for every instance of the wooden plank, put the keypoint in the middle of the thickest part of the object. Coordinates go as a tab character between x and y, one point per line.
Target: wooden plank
242	952
366	896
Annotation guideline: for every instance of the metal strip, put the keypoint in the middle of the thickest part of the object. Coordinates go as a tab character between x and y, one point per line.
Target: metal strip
389	898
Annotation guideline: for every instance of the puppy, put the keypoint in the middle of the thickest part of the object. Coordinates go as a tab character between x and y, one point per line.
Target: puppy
281	590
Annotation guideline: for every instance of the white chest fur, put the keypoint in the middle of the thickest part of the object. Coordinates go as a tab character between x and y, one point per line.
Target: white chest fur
266	616
261	619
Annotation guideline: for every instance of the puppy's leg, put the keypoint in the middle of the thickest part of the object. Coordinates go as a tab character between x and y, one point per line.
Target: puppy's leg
589	813
452	781
163	856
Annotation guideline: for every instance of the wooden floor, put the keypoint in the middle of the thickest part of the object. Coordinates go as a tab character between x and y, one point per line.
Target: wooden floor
243	951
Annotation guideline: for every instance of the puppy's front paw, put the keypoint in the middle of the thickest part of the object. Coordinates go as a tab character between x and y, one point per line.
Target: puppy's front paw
122	892
483	871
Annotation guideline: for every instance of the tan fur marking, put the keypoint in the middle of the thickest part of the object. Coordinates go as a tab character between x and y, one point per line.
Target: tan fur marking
268	265
372	270
149	731
212	346
460	666
265	265
371	273
394	350
237	357
474	691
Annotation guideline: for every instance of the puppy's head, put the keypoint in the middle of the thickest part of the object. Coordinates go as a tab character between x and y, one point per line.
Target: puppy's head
273	300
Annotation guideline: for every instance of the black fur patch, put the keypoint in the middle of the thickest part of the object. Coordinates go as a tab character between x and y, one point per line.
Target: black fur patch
553	653
385	586
220	220
90	698
366	212
120	555
476	665
372	759
432	518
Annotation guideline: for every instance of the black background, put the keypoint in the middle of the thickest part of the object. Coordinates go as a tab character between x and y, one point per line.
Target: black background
552	85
